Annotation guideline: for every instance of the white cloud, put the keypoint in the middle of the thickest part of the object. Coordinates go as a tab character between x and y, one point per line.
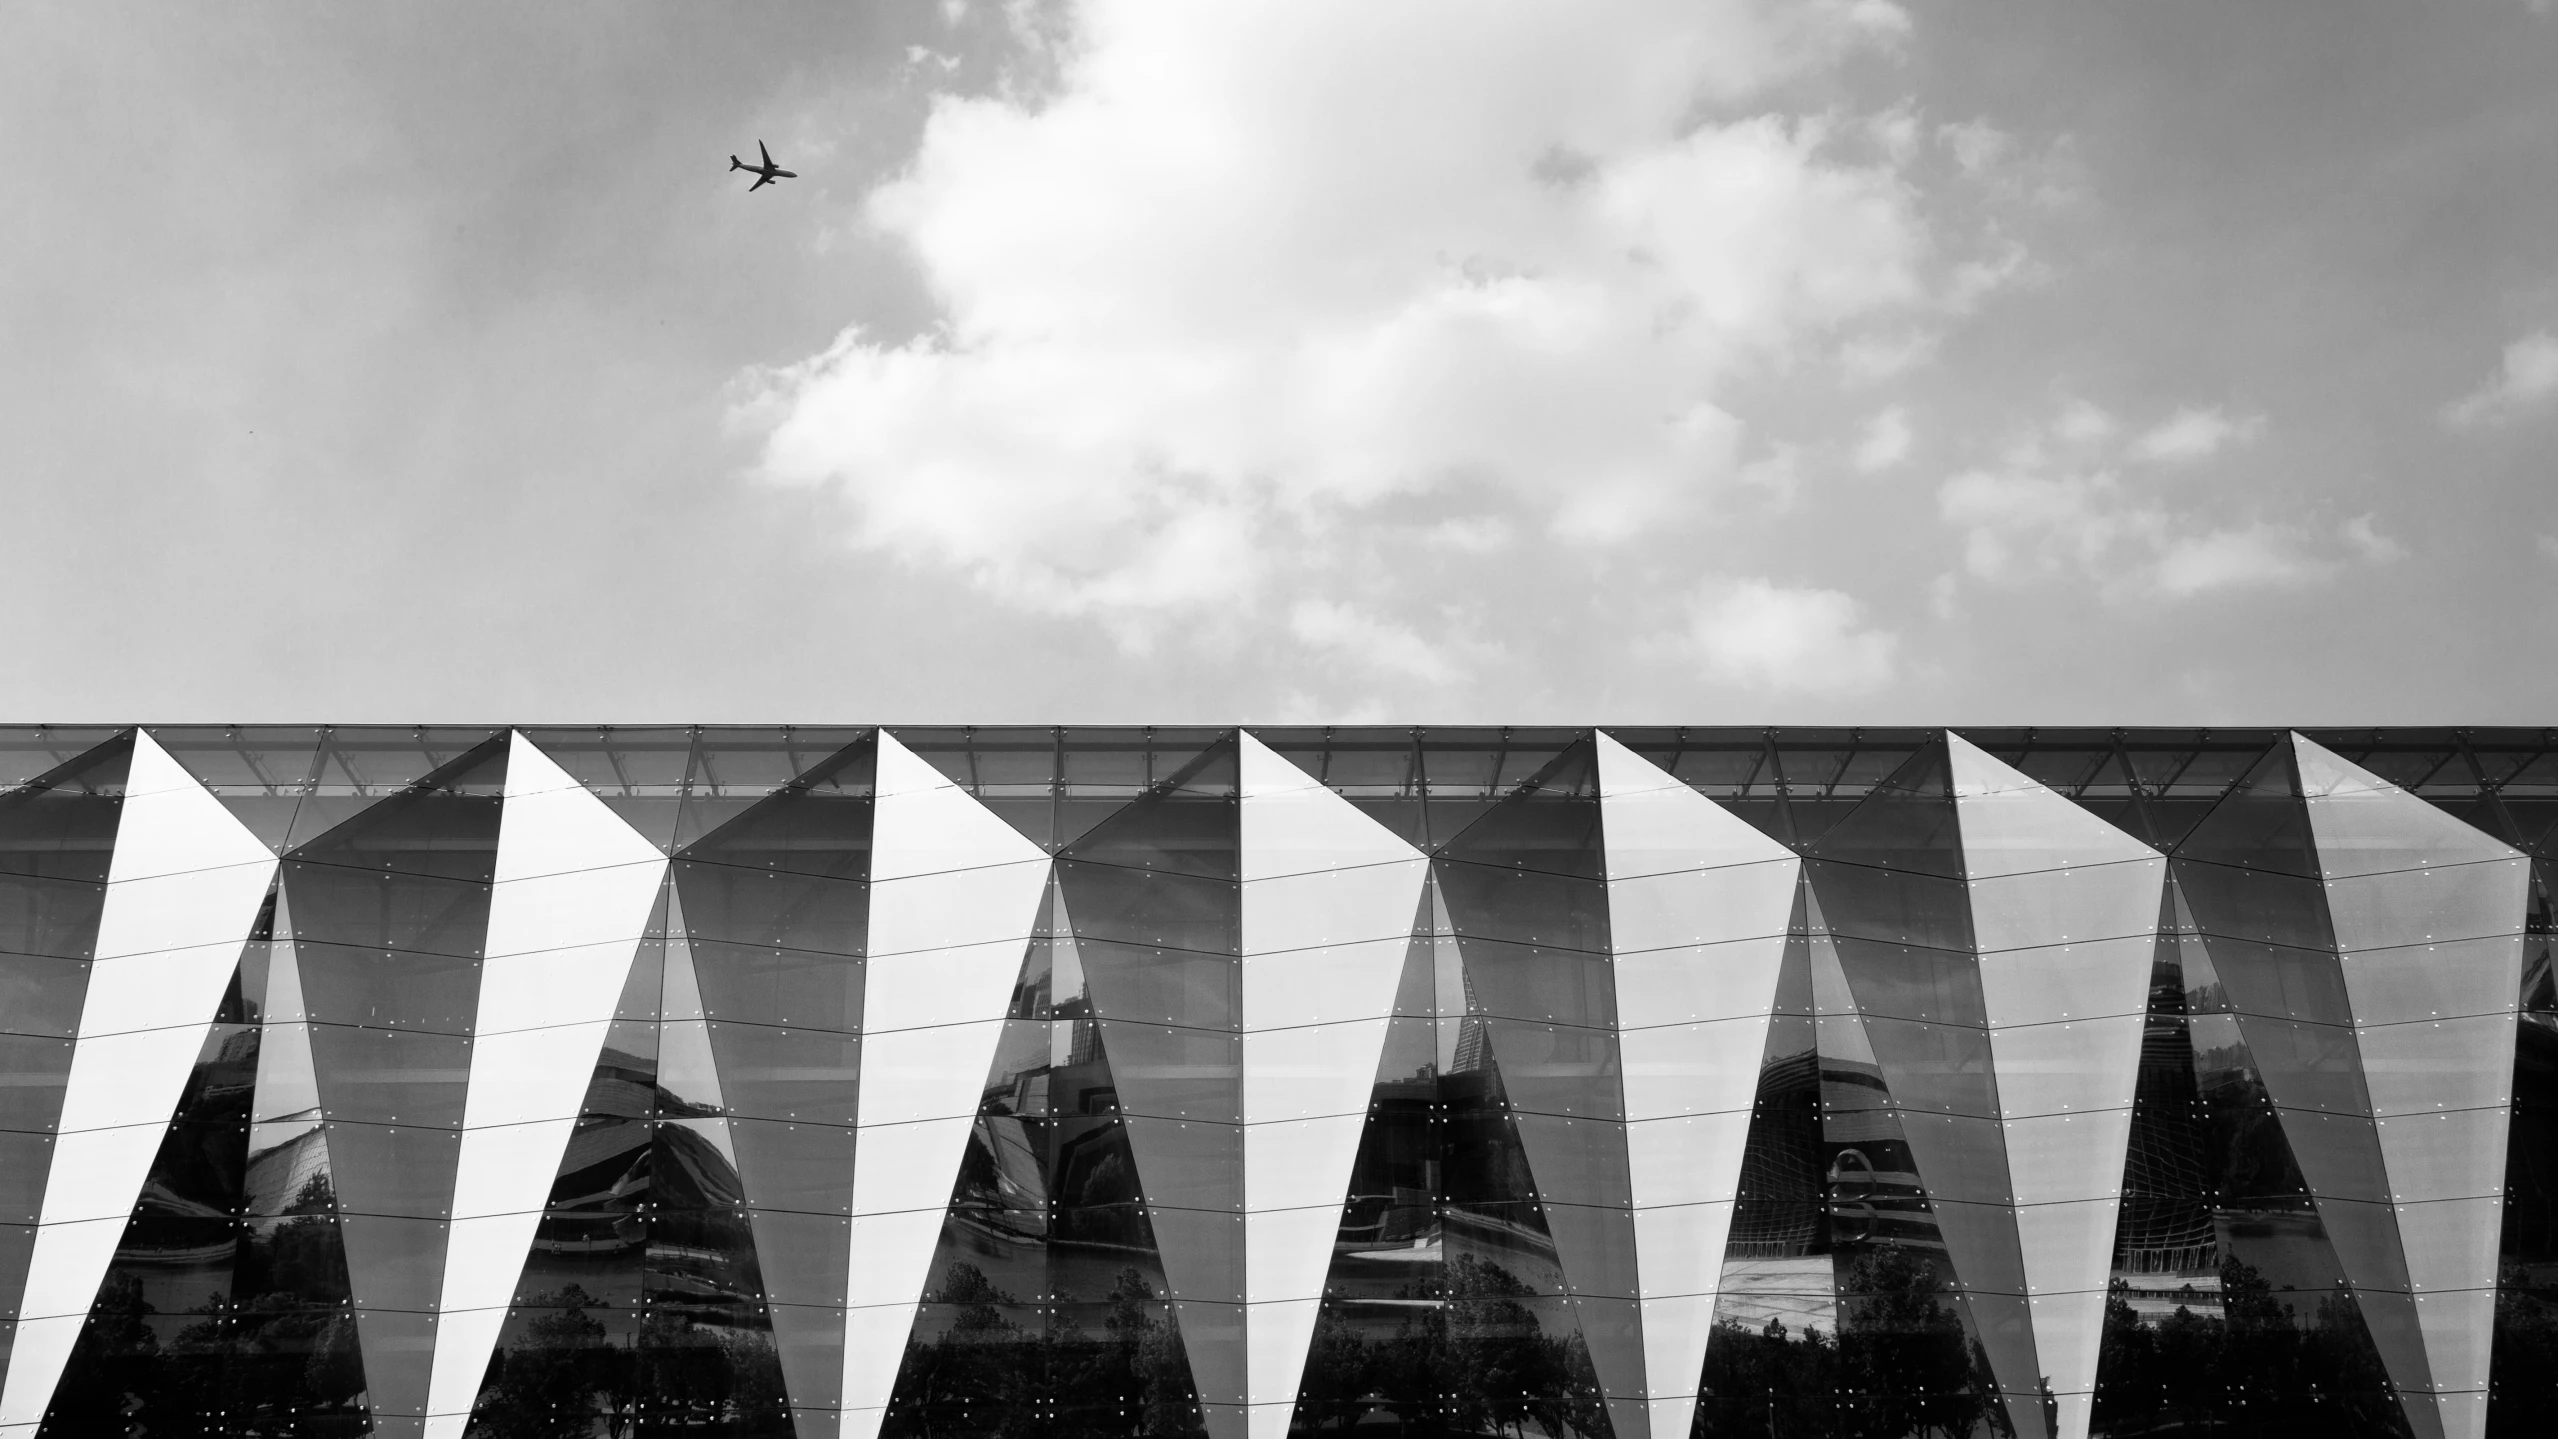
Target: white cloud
2193	434
1244	275
2072	502
1754	635
2362	535
1880	355
1379	645
2083	423
2527	380
1885	443
2260	555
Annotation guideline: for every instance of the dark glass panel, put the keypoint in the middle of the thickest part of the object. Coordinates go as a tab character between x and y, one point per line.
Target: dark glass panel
1158	906
1465	770
1188	1163
1905	981
24	1159
42	996
814	821
1890	906
1575	1161
2280	982
2260	823
1172	1073
1596	1246
1202	1251
802	1255
642	1001
800	989
395	1262
399	1354
1170	986
1935	1068
1905	819
1182	823
2234	903
1533	982
1547	821
34	1069
773	907
389	989
400	1170
735	768
802	1167
1557	1069
52	917
385	1076
638	771
438	791
1524	906
29	753
809	1075
61	824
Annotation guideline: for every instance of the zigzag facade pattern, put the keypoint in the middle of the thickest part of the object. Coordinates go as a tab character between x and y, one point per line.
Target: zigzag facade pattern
853	1082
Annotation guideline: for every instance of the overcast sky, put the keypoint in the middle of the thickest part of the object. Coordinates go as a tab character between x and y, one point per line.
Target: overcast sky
1713	362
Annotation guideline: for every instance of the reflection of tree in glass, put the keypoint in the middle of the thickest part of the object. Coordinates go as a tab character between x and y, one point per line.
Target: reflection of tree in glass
1749	1372
546	1384
1478	1362
1903	1356
984	1373
2252	1368
2525	1375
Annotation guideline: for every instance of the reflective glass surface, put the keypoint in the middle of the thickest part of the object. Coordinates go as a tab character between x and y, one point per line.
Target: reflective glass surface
1996	1162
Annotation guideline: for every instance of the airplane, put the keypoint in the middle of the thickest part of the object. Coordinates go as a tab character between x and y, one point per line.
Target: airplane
765	173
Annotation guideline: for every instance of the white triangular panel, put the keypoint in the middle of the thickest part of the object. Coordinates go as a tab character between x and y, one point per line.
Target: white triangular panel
2065	917
1292	824
1699	902
2363	824
2401	872
2013	824
574	888
1656	824
1328	902
184	886
954	898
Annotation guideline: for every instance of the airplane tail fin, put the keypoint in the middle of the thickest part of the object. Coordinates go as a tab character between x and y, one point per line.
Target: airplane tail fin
734	164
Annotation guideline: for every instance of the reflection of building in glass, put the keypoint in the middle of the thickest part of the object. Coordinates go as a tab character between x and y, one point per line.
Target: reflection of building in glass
847	1082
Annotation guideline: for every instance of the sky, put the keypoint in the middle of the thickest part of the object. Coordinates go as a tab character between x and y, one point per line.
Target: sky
1715	362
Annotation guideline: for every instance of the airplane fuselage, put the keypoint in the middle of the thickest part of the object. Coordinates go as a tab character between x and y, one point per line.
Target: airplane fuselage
765	173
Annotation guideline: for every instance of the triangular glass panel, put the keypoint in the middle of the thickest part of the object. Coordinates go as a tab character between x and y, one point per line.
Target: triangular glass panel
2259	823
1906	821
359	766
1465	771
1548	823
1377	771
1183	823
638	771
814	822
61	824
259	772
734	768
30	752
1016	772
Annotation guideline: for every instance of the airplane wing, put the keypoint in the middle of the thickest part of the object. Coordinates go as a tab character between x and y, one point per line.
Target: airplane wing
767	154
760	182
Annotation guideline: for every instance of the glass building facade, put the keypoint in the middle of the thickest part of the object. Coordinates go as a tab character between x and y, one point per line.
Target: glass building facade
1638	1082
